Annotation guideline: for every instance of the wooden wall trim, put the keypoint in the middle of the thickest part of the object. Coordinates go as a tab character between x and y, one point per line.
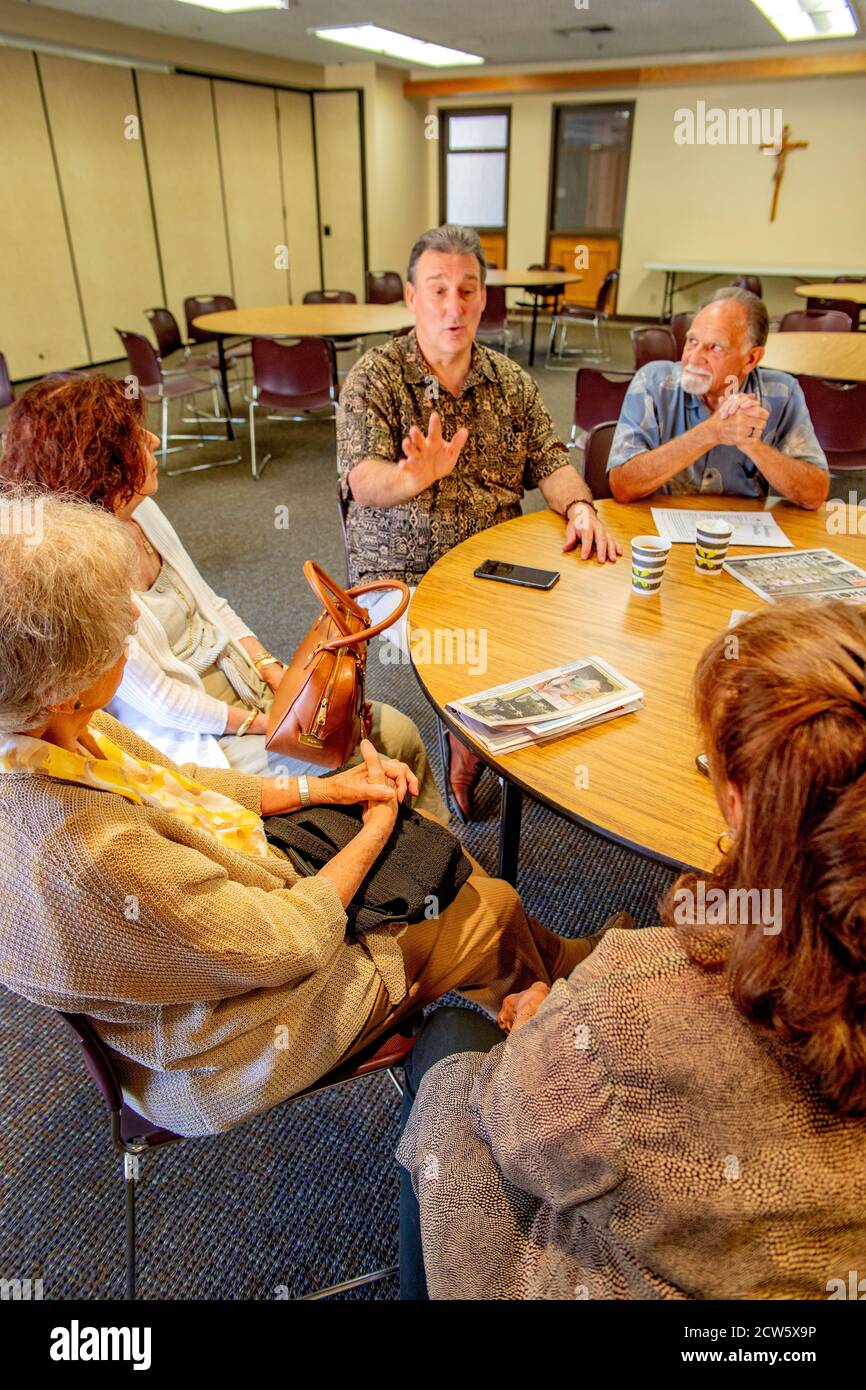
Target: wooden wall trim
590	79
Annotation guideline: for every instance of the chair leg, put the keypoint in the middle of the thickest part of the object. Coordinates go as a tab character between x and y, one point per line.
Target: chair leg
164	431
349	1284
130	1171
253	437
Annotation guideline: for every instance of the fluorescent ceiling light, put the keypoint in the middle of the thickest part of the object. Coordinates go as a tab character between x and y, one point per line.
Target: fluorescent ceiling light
392	45
89	55
238	6
809	19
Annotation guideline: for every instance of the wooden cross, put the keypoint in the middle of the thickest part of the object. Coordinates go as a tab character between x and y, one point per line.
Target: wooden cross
781	153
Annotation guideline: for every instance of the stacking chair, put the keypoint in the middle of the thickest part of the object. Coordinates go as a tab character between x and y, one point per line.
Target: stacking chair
169	341
838	411
595	458
801	321
7	394
653	344
132	1136
597	318
842	306
342	342
679	326
751	283
157	387
493	326
546	296
598	397
384	287
295	377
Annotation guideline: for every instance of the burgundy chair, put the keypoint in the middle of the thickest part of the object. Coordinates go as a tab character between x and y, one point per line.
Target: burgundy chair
548	296
493	326
169	341
597	397
384	287
132	1136
654	344
597	318
7	394
751	283
801	321
838	411
343	342
292	379
595	458
158	388
842	306
679	326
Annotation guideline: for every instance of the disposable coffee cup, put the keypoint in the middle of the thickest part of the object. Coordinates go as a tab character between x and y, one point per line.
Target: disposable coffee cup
649	555
712	538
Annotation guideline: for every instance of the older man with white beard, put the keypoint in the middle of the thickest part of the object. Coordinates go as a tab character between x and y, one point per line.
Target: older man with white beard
716	422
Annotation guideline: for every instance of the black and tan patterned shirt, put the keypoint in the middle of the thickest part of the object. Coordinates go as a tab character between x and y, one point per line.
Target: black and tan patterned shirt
512	445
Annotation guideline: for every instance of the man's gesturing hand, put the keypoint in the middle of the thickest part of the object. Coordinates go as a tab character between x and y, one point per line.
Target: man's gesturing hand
429	457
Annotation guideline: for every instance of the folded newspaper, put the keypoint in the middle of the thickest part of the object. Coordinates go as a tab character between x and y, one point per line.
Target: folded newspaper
540	707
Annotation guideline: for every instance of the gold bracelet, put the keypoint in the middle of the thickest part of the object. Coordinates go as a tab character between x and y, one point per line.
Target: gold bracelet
239	733
265	659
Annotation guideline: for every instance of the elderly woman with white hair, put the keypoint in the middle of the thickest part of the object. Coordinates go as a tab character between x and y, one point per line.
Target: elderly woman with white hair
148	896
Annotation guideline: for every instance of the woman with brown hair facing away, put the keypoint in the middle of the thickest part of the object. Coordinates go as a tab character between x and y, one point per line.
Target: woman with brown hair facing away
683	1117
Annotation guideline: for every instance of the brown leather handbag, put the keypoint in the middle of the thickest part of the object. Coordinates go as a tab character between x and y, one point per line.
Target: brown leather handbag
317	715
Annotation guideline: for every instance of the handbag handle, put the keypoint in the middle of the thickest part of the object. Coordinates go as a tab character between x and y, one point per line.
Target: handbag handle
327	589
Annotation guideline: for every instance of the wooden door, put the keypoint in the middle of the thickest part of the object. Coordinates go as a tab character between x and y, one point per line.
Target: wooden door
601	255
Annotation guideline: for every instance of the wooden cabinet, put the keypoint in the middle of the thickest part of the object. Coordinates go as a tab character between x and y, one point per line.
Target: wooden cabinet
602	255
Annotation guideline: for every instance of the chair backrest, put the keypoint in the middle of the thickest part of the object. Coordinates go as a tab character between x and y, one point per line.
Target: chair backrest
653	344
605	293
304	369
838	412
197	304
495	313
597	397
384	287
330	297
679	326
800	321
841	306
7	395
751	283
144	361
595	456
549	293
98	1059
849	279
165	330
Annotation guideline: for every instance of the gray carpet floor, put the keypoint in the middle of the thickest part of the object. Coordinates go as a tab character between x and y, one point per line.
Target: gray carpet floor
307	1194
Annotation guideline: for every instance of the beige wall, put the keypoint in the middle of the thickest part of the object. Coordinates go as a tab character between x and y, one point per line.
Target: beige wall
710	203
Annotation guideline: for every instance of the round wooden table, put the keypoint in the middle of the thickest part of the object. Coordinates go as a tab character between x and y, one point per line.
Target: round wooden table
533	280
300	321
845	289
835	356
632	780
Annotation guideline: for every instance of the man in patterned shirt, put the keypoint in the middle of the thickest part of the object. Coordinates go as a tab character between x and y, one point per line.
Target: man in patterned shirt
438	438
717	422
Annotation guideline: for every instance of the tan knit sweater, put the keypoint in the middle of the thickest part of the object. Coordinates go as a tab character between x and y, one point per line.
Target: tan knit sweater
637	1139
224	980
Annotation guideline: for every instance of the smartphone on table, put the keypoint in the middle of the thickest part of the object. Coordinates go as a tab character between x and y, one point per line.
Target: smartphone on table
522	575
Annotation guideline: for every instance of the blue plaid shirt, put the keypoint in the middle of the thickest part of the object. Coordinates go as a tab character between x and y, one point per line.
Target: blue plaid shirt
657	409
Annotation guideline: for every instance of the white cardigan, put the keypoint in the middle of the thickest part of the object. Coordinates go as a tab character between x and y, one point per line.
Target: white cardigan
160	697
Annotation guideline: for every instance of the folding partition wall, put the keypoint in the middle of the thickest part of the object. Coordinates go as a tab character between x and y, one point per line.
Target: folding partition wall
124	190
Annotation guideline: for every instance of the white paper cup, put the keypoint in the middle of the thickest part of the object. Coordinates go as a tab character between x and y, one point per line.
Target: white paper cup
649	555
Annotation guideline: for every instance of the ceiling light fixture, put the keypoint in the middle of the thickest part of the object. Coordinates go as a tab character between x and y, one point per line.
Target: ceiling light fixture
392	45
238	6
809	19
88	55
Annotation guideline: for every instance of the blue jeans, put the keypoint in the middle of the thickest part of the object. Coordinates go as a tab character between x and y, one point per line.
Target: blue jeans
446	1031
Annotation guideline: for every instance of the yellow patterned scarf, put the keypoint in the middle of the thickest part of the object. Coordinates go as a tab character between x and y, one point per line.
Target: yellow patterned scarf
144	783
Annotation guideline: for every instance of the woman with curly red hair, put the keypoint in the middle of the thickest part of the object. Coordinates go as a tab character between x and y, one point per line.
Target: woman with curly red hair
198	683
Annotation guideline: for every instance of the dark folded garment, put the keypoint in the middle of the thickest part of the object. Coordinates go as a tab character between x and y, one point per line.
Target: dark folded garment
418	874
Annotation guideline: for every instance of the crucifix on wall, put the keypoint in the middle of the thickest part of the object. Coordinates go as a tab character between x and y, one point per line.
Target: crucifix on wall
781	152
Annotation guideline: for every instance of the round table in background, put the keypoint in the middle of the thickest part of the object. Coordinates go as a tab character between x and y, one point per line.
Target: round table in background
632	780
834	356
533	280
300	321
835	289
